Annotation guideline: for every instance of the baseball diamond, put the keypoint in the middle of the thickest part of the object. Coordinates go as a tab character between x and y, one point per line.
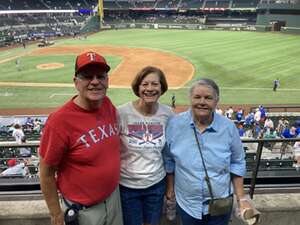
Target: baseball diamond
250	48
244	74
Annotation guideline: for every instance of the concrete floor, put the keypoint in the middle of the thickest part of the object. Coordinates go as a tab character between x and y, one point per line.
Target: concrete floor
276	209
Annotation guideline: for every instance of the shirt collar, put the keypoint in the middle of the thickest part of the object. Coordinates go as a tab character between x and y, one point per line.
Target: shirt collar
213	127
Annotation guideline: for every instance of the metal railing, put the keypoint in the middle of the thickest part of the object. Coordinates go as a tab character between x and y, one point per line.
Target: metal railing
254	173
261	143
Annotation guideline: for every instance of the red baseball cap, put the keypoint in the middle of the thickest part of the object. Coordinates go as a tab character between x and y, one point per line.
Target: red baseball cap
11	162
90	58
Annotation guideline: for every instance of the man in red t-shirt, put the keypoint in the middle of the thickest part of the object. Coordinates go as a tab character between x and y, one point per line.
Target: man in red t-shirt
79	150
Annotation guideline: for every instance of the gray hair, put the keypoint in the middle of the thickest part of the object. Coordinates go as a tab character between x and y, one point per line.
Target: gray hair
206	82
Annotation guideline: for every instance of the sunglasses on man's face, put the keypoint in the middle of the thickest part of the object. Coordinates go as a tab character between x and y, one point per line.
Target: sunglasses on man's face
90	77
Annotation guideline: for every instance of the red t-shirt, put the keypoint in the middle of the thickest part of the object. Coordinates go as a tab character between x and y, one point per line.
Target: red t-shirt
85	147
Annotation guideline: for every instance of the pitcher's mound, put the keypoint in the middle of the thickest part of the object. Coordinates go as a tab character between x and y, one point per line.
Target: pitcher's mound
50	66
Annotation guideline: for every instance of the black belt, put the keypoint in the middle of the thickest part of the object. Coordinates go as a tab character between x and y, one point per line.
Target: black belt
75	205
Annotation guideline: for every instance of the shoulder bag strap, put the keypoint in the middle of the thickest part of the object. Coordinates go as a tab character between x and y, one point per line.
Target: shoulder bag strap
206	173
203	163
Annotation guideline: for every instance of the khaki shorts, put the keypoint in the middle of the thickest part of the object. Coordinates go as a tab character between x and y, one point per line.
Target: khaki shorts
108	212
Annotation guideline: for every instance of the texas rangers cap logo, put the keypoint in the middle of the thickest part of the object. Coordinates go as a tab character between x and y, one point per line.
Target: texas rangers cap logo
91	55
89	58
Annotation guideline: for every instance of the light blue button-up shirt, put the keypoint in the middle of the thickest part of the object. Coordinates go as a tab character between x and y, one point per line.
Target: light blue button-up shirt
223	154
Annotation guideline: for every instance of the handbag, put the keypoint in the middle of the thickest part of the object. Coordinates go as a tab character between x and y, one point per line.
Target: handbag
220	206
217	206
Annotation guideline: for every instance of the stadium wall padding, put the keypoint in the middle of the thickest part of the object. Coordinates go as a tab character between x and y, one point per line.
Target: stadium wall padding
291	20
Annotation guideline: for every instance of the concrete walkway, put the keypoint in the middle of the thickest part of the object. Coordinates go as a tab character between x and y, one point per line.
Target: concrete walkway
276	209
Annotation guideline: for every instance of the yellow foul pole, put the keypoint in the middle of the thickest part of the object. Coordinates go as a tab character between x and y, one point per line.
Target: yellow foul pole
101	12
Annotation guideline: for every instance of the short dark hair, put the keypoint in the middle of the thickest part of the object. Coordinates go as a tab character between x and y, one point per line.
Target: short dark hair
143	73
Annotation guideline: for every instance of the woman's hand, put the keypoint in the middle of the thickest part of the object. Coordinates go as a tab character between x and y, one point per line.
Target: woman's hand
245	208
170	194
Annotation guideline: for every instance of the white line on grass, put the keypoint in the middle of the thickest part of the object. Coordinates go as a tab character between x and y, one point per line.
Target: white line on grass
6	94
263	89
62	94
4	54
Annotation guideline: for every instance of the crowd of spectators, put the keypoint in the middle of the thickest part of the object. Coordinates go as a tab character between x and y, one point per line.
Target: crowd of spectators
33	26
20	160
16	131
47	4
258	124
23	161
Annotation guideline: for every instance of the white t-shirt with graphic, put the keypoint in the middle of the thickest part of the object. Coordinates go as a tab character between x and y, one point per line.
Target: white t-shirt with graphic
142	141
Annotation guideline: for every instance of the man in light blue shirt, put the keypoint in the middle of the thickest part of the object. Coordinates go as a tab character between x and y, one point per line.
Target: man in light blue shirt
222	151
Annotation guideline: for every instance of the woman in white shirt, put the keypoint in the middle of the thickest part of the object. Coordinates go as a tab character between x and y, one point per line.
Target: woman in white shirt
142	131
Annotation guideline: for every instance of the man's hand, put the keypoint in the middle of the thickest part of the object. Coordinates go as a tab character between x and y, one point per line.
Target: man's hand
57	219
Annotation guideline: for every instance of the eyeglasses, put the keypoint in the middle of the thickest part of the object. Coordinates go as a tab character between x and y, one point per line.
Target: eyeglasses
90	77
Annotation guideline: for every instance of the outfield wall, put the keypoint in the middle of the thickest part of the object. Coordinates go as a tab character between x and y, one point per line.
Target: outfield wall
290	13
291	20
229	27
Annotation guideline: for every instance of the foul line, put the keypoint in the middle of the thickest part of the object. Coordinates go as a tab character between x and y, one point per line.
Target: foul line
62	94
263	89
270	88
59	85
25	84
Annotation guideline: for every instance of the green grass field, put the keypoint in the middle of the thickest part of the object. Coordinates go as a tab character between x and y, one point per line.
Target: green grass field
244	64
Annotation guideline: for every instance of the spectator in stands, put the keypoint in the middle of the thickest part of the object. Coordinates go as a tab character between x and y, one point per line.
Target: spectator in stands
288	132
257	115
249	120
263	114
297	125
18	133
29	123
80	150
241	130
219	111
239	115
269	123
257	131
270	133
15	168
4	130
280	126
37	125
229	112
209	137
11	128
24	151
142	131
296	150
